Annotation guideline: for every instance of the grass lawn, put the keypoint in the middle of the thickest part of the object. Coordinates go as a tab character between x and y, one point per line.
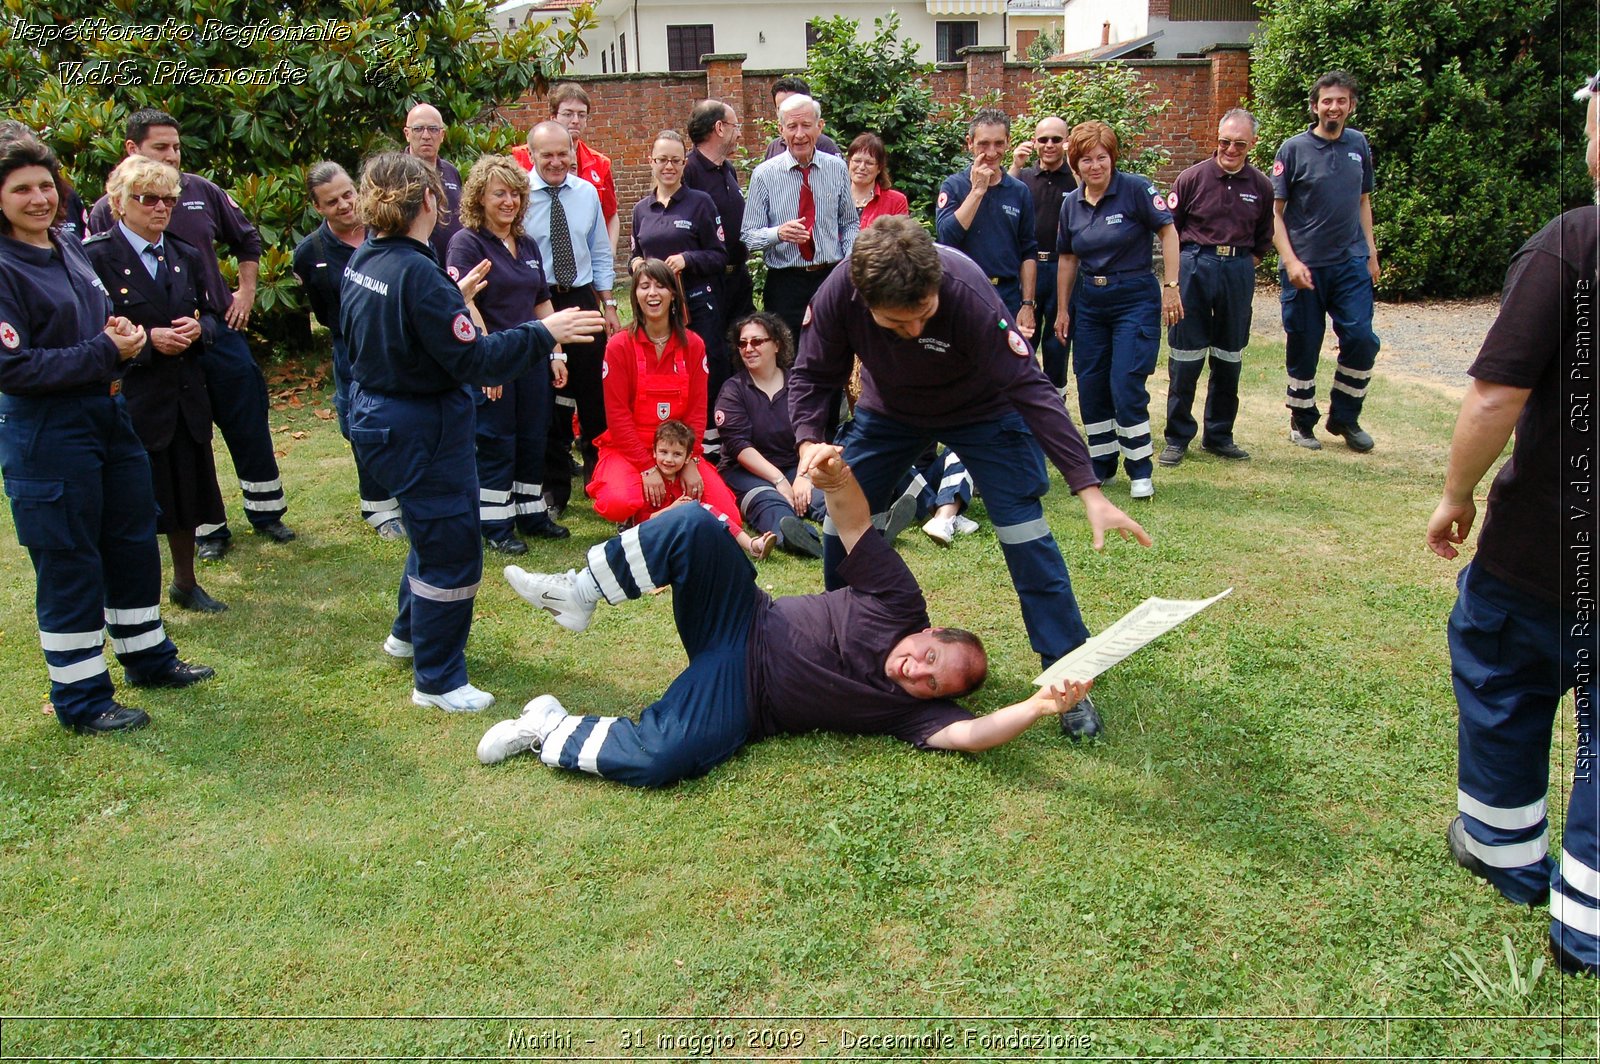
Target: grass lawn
1252	863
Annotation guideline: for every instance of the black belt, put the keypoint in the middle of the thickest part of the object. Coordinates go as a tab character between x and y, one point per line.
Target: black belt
998	281
1223	250
811	268
565	288
1100	280
1046	256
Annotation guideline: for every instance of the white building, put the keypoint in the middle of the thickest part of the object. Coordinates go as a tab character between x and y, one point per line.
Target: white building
1174	27
660	35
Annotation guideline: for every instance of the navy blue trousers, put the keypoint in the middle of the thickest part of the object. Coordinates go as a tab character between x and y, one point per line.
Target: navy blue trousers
1215	327
420	449
377	506
1512	659
1009	471
702	719
761	504
1052	352
238	394
79	483
512	433
1342	293
1116	335
707	321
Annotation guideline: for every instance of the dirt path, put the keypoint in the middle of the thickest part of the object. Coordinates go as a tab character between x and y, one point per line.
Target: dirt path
1431	342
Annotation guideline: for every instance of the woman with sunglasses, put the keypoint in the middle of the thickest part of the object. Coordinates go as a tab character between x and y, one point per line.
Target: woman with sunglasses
681	227
759	453
154	281
77	476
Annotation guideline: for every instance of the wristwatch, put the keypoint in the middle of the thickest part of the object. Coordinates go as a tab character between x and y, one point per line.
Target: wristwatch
1029	303
611	302
1170	284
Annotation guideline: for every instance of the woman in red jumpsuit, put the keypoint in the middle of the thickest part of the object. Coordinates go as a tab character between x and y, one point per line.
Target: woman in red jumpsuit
655	371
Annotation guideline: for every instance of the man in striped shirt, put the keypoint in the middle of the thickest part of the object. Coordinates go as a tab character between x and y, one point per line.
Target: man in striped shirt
798	213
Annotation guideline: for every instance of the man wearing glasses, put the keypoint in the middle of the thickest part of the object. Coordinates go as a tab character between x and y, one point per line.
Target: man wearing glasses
425	131
1049	181
714	131
1223	210
569	107
204	216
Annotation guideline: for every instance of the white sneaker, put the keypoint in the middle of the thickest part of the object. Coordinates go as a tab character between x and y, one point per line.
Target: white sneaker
964	525
398	648
942	530
527	732
464	699
1143	488
553	593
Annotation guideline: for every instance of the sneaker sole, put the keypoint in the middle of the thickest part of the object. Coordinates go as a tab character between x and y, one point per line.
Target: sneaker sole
438	702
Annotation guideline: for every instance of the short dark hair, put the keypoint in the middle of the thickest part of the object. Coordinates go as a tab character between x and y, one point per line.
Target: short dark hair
140	123
790	84
18	152
989	116
568	91
674	431
872	145
894	263
704	118
978	671
1333	79
777	330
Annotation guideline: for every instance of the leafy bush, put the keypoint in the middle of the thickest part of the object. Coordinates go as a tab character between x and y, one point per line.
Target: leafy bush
1474	137
80	67
1110	92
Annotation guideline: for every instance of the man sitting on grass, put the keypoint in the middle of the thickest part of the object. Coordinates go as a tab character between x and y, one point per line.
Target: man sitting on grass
860	659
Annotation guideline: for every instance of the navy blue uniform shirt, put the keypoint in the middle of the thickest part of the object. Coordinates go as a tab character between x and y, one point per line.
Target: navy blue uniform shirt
449	222
687	224
1321	183
409	331
205	217
720	181
319	262
1001	235
970	364
1114	234
745	417
53	312
514	285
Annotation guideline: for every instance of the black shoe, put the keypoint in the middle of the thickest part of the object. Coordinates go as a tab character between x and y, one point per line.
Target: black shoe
1569	964
1358	440
508	544
1230	450
547	529
1082	721
1172	454
181	674
1304	436
899	517
211	550
1457	835
276	531
117	718
194	599
799	537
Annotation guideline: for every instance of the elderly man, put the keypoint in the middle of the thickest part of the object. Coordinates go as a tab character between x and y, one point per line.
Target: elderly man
942	360
714	132
425	130
204	217
565	218
799	213
1049	182
1322	227
860	660
988	214
1522	633
1223	210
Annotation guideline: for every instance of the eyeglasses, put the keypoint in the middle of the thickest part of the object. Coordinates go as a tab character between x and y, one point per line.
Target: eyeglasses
1236	145
1049	140
431	130
659	161
753	341
150	199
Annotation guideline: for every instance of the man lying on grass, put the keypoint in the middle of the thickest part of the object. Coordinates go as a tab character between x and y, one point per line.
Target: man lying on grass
861	659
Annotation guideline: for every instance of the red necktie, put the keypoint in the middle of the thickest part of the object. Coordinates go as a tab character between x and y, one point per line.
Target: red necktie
808	214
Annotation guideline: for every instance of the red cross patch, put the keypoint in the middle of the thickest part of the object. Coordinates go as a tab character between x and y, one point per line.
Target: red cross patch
1160	201
8	336
455	274
944	197
719	416
1172	201
1277	167
464	329
705	365
1019	346
663	411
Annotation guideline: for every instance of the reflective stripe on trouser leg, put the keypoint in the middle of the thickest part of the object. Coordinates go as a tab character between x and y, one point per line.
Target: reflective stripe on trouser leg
531	434
1222	398
1575	889
494	511
1091	366
1303	325
1136	343
1348	297
699	722
1507	684
376	512
1183	374
528	499
238	394
762	505
951	482
131	559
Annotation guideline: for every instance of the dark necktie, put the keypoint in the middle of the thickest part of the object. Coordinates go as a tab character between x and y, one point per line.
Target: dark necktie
163	275
808	214
561	257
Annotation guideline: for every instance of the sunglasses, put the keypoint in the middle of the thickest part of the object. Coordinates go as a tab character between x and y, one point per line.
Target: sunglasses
753	341
150	199
1236	145
1049	140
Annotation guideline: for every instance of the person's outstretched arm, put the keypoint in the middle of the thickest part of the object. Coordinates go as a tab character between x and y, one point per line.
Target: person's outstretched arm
1003	725
847	505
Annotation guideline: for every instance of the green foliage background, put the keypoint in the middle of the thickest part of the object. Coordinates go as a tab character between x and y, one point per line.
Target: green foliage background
256	140
1468	107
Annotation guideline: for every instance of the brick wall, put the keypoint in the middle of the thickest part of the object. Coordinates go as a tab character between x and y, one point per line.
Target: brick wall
629	109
